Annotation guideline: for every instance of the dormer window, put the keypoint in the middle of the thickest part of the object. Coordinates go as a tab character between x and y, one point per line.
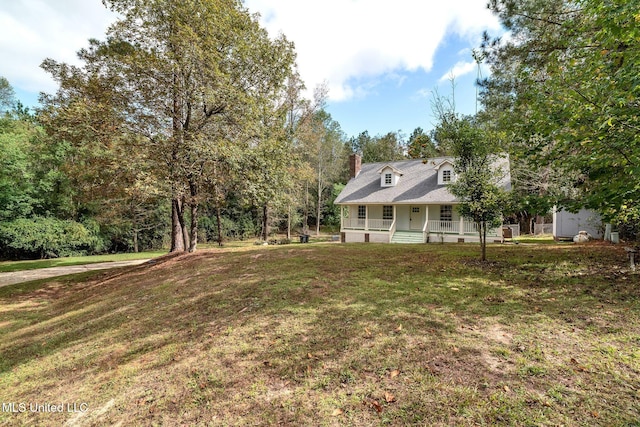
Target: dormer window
389	176
446	173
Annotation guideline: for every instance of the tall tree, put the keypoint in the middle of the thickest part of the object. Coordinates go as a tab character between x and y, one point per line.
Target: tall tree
565	85
189	78
477	181
323	143
385	148
420	145
7	95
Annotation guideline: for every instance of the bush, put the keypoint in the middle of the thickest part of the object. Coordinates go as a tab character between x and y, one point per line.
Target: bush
43	237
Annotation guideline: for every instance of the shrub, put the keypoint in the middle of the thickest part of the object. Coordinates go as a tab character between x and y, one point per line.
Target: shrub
43	237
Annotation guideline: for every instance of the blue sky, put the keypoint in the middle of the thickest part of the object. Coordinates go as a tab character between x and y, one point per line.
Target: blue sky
403	104
381	60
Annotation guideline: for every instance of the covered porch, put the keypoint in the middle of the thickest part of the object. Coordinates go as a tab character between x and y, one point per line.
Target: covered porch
423	223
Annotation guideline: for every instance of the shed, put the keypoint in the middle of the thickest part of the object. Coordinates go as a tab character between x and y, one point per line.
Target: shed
567	224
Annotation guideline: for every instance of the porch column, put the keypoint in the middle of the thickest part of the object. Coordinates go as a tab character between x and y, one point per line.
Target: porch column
426	219
366	217
461	225
341	217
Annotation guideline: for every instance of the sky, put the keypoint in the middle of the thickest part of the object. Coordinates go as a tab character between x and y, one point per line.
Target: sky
381	60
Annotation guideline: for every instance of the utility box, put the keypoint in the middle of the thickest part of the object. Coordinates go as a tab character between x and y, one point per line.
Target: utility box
507	233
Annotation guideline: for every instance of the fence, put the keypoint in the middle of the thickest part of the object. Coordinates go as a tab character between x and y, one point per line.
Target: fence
539	229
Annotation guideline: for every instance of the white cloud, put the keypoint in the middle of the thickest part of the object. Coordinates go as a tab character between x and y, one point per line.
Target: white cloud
458	70
350	44
33	30
342	41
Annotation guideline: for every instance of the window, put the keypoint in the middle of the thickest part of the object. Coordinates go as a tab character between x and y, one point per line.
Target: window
387	212
362	212
446	213
387	179
446	176
415	210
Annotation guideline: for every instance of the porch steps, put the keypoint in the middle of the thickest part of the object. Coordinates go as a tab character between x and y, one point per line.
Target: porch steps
407	237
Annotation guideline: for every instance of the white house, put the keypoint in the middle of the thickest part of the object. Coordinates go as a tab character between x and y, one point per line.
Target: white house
406	202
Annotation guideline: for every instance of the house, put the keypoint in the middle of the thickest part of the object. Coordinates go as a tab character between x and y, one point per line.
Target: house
567	224
406	202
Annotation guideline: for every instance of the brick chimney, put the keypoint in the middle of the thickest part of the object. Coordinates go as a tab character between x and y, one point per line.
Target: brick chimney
355	164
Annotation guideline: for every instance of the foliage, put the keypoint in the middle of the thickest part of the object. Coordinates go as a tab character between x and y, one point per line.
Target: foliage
17	193
420	145
385	148
189	83
47	238
476	183
565	84
332	211
323	147
7	96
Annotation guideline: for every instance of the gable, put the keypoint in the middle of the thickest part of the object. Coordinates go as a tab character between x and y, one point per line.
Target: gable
389	176
446	173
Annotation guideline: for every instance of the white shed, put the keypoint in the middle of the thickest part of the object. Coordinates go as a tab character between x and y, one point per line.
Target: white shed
567	224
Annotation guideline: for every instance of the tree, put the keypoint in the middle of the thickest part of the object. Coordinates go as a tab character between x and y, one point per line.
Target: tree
476	185
386	148
17	187
565	86
189	78
7	95
420	145
323	143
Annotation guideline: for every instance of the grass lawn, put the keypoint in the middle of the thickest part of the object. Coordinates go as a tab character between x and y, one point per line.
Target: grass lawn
543	239
332	334
8	266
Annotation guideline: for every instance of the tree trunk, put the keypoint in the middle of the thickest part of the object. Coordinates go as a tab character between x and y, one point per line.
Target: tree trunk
265	222
289	223
194	217
178	237
177	240
183	225
319	211
135	241
484	241
219	220
525	223
305	219
479	225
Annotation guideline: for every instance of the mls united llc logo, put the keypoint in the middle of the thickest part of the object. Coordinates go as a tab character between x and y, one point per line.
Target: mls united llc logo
20	407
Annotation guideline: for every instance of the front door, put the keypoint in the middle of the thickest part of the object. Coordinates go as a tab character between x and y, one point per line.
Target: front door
416	218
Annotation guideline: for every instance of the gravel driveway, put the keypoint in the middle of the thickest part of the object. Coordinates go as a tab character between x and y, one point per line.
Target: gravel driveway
44	273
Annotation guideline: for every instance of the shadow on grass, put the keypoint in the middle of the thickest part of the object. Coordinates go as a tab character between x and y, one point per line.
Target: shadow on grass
321	327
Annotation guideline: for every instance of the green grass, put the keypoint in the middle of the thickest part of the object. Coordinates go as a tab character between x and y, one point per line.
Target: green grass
333	334
9	266
543	239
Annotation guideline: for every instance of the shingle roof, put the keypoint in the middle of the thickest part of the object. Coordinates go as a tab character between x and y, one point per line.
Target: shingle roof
418	185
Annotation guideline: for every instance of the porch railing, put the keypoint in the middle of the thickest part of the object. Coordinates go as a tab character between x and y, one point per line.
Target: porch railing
444	226
367	224
453	227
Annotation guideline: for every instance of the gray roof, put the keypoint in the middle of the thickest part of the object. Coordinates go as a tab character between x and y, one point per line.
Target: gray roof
417	185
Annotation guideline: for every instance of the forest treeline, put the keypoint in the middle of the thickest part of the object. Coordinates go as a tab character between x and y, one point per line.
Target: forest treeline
187	123
64	193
